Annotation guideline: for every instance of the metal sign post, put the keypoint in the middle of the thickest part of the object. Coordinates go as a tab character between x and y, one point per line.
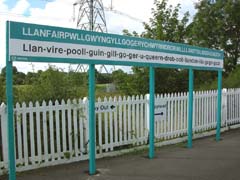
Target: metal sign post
10	128
190	106
92	121
38	43
219	106
151	111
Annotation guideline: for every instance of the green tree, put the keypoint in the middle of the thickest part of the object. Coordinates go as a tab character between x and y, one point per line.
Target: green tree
217	25
139	81
127	33
171	80
103	78
122	81
18	77
51	85
77	78
32	77
166	23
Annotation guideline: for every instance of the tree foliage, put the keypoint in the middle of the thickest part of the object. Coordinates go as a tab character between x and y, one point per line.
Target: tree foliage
166	24
217	25
51	84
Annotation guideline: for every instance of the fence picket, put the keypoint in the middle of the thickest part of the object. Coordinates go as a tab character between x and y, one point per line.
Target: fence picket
133	130
179	113
3	114
141	134
129	119
19	134
232	107
208	117
86	125
146	122
115	119
202	110
212	109
237	106
205	111
106	127
69	121
75	127
124	119
111	126
186	111
99	130
45	131
168	116
63	139
32	133
39	139
156	123
137	112
51	129
57	121
120	105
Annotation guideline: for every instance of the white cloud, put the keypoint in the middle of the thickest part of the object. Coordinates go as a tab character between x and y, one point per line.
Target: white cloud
140	9
3	7
58	13
20	7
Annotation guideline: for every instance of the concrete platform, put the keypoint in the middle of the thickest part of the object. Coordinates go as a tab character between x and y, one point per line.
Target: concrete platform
207	160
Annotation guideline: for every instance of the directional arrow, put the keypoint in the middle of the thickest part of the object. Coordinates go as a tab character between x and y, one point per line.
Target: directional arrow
99	108
112	106
161	114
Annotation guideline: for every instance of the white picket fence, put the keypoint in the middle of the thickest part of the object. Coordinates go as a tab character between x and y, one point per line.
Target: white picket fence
55	133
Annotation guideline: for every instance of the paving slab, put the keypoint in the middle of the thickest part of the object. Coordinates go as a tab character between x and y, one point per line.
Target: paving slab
207	160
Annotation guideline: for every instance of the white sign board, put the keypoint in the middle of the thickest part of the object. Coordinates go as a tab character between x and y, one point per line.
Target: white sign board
32	42
103	107
160	110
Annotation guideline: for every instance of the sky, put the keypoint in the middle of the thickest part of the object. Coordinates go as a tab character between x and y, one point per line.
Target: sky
60	13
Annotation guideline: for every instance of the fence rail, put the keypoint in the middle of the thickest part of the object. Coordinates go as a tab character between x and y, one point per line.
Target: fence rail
57	132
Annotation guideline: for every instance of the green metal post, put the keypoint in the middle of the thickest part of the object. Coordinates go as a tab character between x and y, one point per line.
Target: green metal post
190	107
219	107
151	112
92	124
9	93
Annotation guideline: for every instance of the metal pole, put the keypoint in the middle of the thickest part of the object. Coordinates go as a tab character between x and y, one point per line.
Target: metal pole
9	93
92	123
91	16
151	112
219	106
190	107
91	92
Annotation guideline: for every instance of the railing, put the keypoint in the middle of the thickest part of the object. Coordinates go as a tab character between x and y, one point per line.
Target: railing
55	133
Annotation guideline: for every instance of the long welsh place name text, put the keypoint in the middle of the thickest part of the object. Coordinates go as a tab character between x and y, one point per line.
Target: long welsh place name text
99	53
85	37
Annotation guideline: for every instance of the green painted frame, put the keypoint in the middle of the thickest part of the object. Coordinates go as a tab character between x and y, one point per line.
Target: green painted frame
152	66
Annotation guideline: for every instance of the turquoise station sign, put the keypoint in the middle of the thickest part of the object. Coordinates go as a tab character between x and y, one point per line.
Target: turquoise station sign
31	42
39	43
